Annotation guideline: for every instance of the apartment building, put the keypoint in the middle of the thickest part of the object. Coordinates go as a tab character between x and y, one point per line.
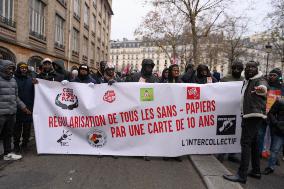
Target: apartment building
128	54
76	31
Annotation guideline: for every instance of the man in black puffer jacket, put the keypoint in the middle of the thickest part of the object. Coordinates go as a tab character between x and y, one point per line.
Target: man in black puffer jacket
9	101
253	108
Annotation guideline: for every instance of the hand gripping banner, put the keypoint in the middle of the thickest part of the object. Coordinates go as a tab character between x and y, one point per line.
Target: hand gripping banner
137	119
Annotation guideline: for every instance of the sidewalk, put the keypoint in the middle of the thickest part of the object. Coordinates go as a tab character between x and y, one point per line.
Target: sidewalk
212	171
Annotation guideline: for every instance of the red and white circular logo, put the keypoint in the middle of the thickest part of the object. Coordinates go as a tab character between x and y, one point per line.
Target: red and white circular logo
109	96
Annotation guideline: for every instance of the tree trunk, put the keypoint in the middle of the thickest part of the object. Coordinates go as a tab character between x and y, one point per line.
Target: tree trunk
194	42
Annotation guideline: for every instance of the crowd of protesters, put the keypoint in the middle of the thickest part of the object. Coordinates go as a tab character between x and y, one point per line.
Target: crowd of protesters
262	124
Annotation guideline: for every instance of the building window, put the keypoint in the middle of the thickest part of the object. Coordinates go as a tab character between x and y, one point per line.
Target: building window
6	54
6	12
77	9
99	30
94	23
85	47
103	35
59	32
92	57
37	19
75	40
98	54
95	3
86	16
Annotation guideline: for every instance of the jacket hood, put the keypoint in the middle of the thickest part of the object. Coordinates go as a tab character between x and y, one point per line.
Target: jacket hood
4	64
60	64
200	68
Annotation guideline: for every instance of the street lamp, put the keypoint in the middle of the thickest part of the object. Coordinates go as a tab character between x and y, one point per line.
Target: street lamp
282	63
268	48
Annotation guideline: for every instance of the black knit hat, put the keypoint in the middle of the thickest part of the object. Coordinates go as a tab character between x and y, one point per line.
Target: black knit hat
276	71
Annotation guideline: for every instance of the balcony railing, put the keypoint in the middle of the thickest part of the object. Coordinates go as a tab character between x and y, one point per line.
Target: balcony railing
93	34
76	16
86	26
7	21
58	45
63	3
75	53
37	35
84	57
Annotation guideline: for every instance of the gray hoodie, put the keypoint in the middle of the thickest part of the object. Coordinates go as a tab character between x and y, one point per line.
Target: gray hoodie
9	99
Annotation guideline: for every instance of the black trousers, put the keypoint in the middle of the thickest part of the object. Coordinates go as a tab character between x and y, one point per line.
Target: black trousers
7	123
249	145
22	129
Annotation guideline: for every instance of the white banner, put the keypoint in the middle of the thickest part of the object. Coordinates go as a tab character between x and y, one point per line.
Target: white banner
137	119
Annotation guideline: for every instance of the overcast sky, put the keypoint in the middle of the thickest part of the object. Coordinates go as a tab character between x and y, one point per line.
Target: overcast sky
129	13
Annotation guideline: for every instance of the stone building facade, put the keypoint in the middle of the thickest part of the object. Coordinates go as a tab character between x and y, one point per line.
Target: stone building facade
76	31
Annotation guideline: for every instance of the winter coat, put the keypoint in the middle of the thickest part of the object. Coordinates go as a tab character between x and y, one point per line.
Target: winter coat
229	77
203	80
116	79
26	94
189	77
217	76
51	76
88	79
254	104
136	77
276	117
9	99
98	77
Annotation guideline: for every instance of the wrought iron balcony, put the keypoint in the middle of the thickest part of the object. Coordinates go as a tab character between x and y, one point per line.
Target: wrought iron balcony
7	21
37	35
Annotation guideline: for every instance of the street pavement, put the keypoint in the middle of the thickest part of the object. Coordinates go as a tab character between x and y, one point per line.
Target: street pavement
76	171
272	181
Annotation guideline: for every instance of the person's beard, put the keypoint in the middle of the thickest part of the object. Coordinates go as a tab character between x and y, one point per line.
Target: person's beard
24	73
250	74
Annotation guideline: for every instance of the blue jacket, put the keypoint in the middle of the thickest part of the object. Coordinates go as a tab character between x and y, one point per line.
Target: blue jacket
26	94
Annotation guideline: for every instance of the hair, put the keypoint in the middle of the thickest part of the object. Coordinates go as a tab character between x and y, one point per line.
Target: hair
171	79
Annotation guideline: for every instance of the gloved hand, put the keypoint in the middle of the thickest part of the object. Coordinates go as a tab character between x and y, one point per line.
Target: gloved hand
92	85
64	82
110	82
